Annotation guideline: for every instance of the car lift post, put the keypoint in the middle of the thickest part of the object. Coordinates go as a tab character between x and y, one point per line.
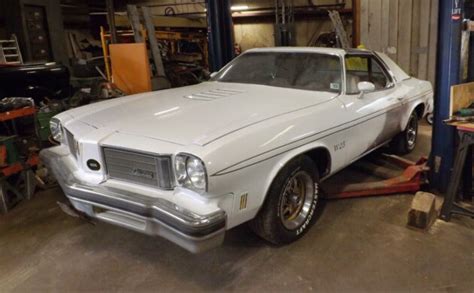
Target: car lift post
448	74
220	31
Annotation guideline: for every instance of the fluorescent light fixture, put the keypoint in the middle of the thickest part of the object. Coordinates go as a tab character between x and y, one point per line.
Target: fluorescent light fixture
239	7
235	8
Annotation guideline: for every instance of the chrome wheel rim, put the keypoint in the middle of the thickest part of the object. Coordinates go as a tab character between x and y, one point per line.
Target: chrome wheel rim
296	200
429	118
411	132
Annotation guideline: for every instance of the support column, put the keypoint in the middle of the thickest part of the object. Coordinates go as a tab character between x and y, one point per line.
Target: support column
220	33
448	74
111	20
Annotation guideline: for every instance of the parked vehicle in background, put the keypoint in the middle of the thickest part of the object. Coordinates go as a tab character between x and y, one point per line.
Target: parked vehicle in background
251	145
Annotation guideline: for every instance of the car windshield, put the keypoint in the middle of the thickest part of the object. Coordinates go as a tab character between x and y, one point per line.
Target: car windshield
306	71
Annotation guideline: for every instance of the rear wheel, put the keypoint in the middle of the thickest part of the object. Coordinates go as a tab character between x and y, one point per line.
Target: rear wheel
429	118
405	142
291	203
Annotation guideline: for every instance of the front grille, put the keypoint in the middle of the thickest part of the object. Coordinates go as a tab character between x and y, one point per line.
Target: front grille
138	168
71	142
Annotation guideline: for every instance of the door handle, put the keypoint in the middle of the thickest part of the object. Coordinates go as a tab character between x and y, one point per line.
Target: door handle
401	98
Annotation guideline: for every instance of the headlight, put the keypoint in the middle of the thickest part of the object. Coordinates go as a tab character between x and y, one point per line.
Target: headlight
190	172
56	129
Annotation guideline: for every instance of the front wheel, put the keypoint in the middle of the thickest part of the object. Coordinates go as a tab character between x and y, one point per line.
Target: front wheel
405	142
291	203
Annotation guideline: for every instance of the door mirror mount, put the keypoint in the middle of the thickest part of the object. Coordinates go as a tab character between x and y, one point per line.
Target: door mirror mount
365	87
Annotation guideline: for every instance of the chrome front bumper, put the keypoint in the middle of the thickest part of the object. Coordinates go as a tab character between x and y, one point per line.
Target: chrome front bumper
152	216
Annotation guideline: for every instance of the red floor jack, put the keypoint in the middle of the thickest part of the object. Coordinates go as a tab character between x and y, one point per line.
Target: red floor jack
410	180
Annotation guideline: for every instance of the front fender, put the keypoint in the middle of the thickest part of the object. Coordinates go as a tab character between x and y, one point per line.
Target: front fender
287	157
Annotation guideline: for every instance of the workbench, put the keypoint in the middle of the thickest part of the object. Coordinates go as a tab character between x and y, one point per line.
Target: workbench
462	170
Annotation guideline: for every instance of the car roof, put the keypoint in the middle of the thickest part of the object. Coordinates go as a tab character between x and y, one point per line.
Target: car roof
322	50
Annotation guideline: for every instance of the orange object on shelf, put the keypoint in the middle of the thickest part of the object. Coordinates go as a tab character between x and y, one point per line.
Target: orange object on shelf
130	67
16	168
3	155
13	114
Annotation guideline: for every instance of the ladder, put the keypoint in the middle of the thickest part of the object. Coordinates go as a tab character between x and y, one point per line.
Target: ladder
159	79
10	51
339	27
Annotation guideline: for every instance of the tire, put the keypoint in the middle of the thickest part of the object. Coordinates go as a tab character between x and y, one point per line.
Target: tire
429	118
405	142
283	218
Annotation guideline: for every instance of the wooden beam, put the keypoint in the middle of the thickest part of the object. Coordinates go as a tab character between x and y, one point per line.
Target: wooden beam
393	30
433	42
167	21
404	33
355	23
385	25
375	24
111	20
424	39
415	37
364	23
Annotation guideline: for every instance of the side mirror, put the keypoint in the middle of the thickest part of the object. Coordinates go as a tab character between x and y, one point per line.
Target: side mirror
365	87
213	74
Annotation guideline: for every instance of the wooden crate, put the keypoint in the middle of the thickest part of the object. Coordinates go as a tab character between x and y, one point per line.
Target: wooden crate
462	96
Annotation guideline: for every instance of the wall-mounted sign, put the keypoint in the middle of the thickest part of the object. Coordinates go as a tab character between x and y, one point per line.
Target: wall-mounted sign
456	12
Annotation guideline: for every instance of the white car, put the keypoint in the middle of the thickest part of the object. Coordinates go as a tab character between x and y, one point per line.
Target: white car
251	145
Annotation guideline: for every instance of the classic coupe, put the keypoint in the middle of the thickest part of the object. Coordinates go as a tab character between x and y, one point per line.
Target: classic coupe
250	145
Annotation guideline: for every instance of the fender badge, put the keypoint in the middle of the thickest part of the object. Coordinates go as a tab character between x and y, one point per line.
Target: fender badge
93	165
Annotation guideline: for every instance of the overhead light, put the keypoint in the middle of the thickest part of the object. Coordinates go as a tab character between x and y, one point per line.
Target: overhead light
239	7
235	8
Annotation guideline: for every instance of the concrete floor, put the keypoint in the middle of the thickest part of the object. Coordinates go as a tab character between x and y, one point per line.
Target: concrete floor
357	245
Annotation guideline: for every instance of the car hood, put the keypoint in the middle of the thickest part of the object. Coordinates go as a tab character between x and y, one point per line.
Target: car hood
198	114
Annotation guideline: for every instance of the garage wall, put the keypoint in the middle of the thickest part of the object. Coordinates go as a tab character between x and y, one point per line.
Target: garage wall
404	29
250	33
253	35
3	31
15	22
192	6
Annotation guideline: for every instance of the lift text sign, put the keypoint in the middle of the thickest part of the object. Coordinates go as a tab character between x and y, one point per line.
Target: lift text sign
456	12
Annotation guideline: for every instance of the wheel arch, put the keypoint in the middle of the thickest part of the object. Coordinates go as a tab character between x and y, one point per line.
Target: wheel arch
318	153
419	107
420	110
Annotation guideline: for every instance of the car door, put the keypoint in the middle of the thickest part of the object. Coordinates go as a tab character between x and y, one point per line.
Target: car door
372	117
